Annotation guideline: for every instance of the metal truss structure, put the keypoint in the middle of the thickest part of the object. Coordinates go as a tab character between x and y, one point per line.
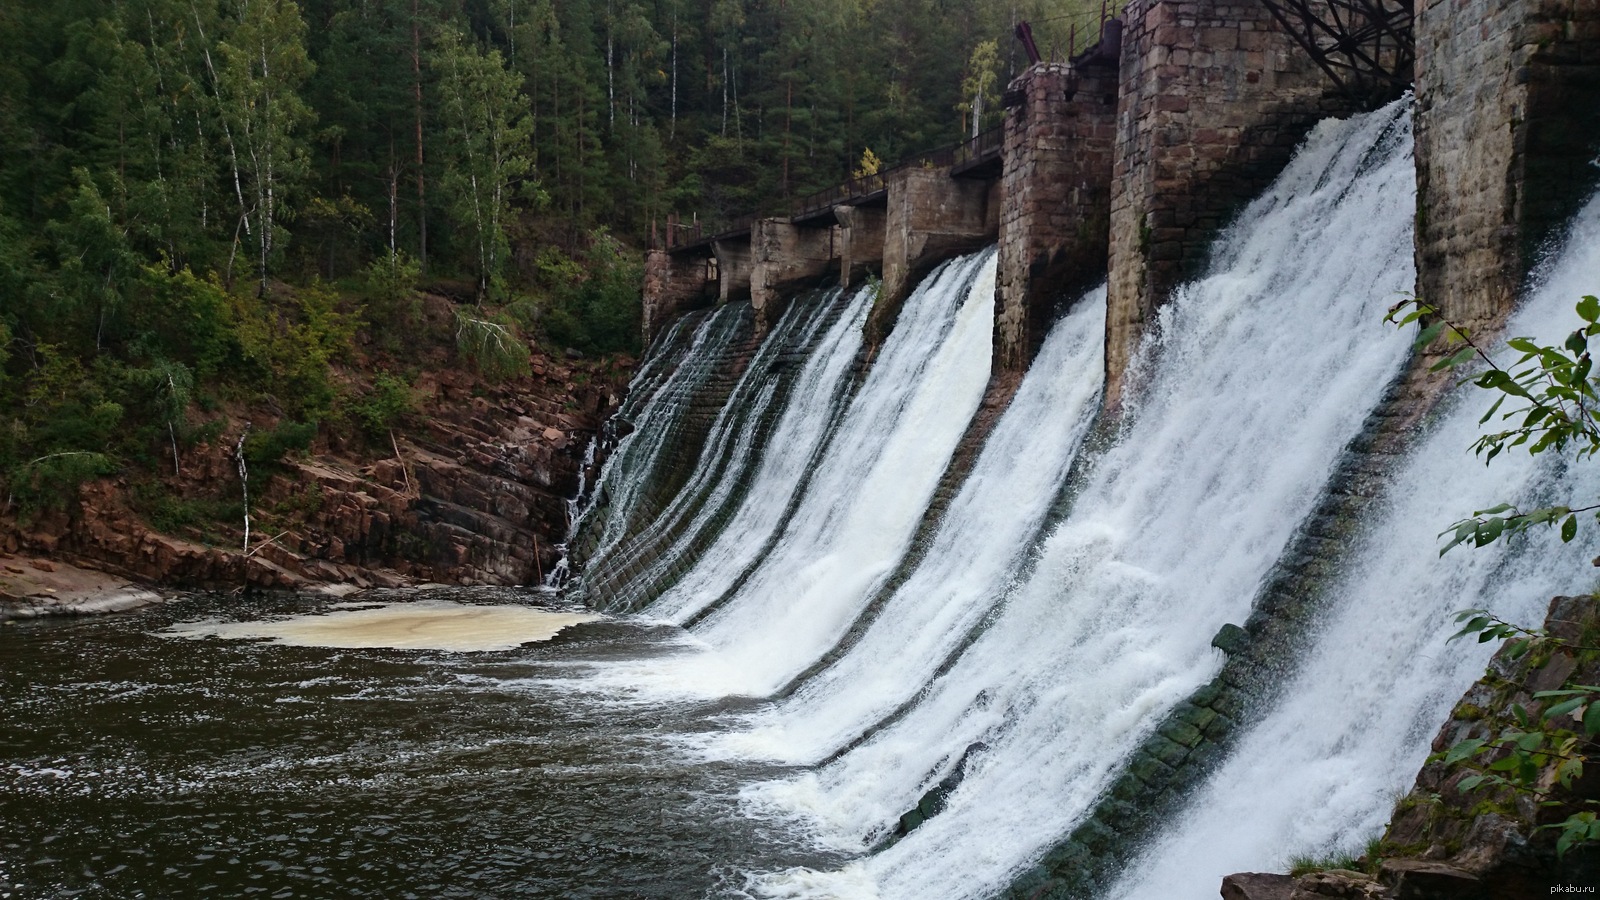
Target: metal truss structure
1365	46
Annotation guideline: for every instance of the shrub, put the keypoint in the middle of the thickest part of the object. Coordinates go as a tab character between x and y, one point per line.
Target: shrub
377	410
595	304
394	307
269	447
491	344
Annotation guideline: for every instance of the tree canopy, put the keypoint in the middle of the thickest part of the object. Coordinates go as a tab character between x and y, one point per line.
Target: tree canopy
198	194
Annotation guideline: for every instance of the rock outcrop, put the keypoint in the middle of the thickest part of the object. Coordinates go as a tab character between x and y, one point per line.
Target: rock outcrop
30	588
472	488
1445	843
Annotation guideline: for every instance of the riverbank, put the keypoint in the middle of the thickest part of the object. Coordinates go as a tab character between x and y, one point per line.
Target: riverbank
31	587
468	483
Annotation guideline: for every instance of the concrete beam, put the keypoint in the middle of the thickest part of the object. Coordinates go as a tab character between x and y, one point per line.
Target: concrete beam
931	217
1507	127
786	257
674	284
1213	100
1055	200
861	231
734	268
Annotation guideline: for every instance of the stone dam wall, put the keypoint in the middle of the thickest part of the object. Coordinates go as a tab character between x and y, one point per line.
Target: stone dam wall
1125	163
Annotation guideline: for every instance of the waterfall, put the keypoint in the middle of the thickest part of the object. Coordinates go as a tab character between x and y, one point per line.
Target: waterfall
633	572
982	540
1252	381
865	497
807	422
659	399
1356	722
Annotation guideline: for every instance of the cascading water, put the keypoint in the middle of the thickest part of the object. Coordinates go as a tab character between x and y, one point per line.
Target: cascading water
632	572
809	419
1357	720
970	562
658	401
1256	377
562	570
862	504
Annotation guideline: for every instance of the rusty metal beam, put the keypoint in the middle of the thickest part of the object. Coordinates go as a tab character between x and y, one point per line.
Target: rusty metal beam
1365	47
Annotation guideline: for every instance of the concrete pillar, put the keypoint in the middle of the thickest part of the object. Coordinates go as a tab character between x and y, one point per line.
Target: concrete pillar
931	217
1507	131
1212	101
786	257
733	268
673	283
860	241
1056	199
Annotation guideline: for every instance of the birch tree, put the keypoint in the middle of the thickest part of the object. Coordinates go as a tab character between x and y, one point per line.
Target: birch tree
260	67
487	148
979	83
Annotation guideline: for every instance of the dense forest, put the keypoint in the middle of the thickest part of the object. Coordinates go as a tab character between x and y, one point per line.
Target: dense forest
209	205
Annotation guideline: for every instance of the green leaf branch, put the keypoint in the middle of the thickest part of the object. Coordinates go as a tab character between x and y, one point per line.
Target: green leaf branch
1553	405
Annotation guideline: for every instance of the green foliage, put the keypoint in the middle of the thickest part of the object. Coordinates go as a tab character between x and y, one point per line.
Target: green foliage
979	84
181	317
596	306
394	308
52	480
378	410
288	346
172	514
1305	865
330	232
492	345
58	433
1554	404
1536	749
178	177
263	449
875	290
487	138
259	67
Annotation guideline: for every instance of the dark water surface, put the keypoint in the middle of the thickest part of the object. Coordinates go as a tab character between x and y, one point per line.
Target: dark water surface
135	765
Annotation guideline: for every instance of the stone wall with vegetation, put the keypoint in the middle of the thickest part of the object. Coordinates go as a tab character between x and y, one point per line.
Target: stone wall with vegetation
1450	841
1507	131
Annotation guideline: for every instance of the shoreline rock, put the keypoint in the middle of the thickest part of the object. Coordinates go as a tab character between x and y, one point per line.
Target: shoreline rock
1445	843
472	488
32	588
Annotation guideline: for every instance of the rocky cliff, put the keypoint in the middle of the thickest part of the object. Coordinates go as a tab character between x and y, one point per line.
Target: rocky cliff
472	487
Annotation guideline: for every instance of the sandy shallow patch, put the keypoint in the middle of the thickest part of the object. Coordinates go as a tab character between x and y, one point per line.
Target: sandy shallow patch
423	625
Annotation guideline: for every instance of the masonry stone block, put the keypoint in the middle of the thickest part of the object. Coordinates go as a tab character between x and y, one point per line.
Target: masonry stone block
674	284
1212	99
1507	132
1055	200
734	268
931	217
861	233
785	257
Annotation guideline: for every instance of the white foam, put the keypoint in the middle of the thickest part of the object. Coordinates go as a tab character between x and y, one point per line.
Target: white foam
422	625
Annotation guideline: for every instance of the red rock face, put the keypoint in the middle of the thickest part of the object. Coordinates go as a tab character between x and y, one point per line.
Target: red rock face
472	489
